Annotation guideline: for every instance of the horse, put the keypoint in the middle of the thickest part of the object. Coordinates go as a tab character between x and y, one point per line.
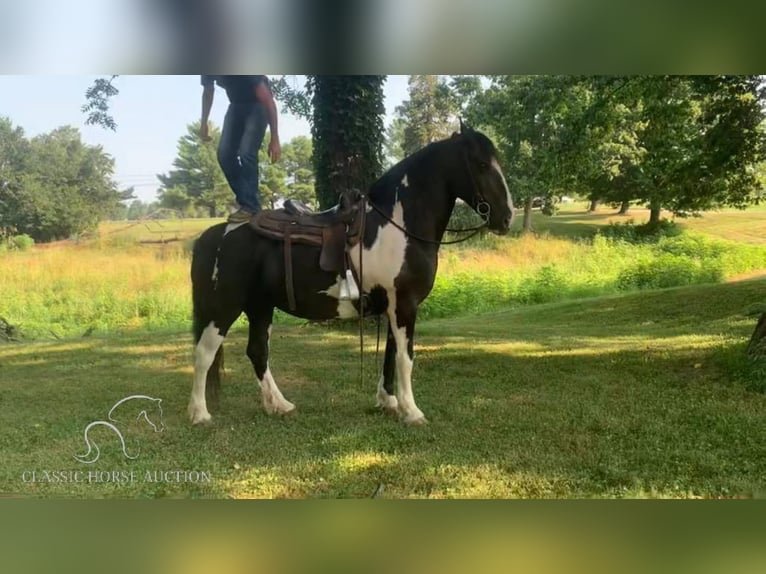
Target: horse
155	406
236	270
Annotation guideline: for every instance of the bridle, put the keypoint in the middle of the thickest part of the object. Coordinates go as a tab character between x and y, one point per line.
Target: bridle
482	208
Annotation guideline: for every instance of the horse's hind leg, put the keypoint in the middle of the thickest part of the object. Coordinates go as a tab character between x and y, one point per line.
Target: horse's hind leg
205	355
213	383
258	352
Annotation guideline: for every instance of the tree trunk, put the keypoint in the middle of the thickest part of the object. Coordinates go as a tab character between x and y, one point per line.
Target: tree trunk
655	208
348	134
756	349
624	207
527	227
593	205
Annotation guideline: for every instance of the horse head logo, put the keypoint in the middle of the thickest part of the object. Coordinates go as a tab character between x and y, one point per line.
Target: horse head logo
150	411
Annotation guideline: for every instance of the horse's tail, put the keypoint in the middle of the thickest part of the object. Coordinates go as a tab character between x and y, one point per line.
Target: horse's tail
204	273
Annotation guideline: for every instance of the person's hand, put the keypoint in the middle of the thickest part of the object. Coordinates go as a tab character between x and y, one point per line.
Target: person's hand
203	132
275	150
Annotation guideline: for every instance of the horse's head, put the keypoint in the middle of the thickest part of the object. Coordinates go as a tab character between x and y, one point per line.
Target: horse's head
487	192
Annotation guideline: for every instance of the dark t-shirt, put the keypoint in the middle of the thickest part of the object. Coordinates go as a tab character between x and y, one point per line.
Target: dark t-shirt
240	89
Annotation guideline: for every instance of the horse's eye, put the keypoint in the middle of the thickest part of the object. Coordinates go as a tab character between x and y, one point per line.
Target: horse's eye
483	165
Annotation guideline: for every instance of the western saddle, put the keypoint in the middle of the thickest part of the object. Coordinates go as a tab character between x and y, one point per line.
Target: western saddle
333	231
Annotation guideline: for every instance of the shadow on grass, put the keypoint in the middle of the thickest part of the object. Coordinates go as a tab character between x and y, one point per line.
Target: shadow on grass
613	397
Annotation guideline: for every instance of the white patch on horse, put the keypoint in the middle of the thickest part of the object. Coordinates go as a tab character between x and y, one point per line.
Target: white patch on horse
383	261
204	354
215	270
346	309
273	401
405	183
232	226
410	412
505	184
383	399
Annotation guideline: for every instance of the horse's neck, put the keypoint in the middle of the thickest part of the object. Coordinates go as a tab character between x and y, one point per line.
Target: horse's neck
433	205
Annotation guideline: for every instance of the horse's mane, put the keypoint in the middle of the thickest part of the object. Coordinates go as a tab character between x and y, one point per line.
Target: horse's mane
393	175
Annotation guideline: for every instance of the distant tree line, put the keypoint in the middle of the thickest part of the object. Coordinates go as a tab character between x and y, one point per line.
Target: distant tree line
679	143
53	186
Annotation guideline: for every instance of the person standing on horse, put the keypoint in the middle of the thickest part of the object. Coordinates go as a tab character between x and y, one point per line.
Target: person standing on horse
251	107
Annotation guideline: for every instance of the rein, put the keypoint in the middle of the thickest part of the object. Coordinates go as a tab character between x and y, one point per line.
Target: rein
482	208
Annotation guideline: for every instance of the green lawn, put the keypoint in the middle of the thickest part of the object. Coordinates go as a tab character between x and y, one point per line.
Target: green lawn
641	395
573	221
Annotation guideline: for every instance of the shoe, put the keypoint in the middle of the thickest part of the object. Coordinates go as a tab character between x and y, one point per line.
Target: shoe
240	216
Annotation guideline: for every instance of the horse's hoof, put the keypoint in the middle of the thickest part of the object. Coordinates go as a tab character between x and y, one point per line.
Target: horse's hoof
387	410
291	410
199	416
417	421
281	409
387	403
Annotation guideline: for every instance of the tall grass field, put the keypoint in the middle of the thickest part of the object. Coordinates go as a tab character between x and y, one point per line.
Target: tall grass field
114	283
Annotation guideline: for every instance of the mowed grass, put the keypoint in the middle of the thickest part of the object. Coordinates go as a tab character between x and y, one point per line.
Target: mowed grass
639	395
573	220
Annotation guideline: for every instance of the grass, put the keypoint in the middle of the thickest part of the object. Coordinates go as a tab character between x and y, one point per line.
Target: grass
573	220
114	284
637	395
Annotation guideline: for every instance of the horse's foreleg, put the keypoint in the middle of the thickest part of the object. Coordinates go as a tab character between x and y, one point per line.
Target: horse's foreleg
386	399
402	314
204	355
258	352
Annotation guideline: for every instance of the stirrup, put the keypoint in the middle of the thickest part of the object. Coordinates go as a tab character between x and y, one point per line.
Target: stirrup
349	291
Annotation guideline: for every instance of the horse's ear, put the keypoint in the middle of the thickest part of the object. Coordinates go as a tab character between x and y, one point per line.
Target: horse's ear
462	126
455	135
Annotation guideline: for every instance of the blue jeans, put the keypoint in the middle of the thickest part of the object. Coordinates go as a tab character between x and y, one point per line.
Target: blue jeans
241	138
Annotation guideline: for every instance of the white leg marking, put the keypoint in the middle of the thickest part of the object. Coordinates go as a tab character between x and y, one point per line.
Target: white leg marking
383	399
409	411
204	354
273	401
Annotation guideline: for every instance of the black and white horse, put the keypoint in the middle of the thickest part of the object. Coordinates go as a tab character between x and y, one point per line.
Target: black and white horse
235	270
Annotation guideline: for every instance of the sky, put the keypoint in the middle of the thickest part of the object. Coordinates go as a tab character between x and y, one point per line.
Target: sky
151	112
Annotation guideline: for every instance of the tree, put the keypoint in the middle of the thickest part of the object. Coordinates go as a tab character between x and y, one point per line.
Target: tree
347	128
196	182
428	115
695	143
272	177
297	158
138	209
60	187
14	156
532	119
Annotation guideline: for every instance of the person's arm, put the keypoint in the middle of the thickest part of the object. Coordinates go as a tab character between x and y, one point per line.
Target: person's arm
266	98
208	93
